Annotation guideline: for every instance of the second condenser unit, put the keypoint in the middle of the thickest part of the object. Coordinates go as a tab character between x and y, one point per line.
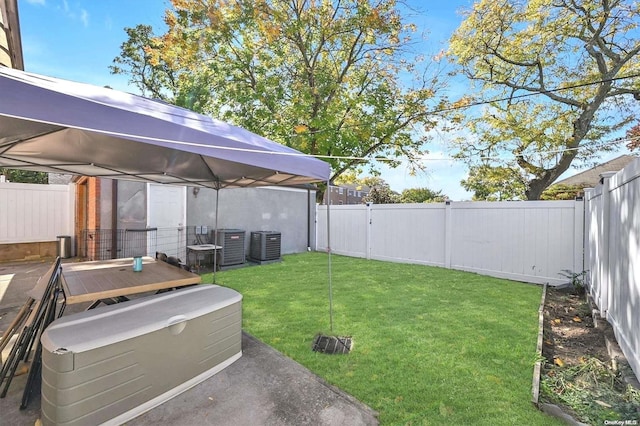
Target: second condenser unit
232	242
265	245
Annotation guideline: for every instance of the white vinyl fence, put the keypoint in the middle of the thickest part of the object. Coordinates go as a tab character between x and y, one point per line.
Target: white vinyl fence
35	213
612	255
531	241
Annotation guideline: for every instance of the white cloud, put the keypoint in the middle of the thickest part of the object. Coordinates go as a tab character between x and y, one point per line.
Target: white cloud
74	14
84	17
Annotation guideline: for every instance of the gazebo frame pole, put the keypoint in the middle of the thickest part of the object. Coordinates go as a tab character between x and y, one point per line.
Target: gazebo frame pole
215	238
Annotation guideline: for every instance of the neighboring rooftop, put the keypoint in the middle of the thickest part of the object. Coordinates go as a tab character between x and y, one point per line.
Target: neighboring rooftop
355	187
591	177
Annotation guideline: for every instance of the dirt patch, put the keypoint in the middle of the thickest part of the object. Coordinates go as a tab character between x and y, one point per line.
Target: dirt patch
570	334
578	373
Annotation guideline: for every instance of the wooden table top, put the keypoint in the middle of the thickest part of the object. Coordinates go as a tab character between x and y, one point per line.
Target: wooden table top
102	279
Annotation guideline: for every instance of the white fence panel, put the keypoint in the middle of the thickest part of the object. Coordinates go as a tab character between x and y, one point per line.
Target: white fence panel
531	241
35	213
411	233
595	244
525	241
348	229
614	255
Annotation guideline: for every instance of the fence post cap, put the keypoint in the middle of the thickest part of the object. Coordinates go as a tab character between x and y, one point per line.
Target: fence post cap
605	175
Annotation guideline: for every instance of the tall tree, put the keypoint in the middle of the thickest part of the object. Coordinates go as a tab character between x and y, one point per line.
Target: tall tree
561	191
373	182
422	195
633	136
381	194
568	70
329	78
495	183
155	78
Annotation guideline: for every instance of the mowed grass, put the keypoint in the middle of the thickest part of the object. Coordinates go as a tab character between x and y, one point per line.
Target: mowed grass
431	346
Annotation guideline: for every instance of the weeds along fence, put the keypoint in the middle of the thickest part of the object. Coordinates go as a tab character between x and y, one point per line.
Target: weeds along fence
531	241
612	255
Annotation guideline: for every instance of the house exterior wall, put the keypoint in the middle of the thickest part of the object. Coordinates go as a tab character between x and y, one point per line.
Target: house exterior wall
289	211
96	220
285	210
336	196
132	205
10	40
5	58
345	194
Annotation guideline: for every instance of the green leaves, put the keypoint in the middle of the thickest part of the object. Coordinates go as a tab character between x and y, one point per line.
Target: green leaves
24	176
567	71
422	195
154	78
494	183
277	67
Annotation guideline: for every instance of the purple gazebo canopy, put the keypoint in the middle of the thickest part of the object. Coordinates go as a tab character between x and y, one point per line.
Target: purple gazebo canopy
59	126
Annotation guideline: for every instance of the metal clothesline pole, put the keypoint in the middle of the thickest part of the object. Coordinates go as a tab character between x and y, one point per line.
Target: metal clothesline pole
329	253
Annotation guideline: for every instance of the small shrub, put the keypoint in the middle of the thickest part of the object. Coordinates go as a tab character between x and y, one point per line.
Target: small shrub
577	279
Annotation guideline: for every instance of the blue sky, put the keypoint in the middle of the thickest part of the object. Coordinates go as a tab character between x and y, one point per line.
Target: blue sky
78	40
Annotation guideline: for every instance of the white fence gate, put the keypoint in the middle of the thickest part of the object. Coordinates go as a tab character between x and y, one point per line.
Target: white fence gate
531	241
35	213
612	253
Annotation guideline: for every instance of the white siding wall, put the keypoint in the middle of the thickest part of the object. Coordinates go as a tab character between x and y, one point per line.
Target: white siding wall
613	255
35	213
532	241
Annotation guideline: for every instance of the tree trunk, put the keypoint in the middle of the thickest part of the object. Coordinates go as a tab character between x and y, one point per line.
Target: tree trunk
537	185
535	188
320	193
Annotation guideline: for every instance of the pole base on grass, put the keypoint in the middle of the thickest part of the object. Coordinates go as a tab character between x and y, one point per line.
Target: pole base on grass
332	344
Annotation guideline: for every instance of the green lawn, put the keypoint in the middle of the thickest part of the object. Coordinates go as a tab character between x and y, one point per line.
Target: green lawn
431	345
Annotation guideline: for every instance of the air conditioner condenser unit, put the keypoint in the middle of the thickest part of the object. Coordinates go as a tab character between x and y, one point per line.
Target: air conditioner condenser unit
265	246
232	242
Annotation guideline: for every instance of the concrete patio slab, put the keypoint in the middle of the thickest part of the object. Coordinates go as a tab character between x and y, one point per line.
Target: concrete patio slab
261	388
